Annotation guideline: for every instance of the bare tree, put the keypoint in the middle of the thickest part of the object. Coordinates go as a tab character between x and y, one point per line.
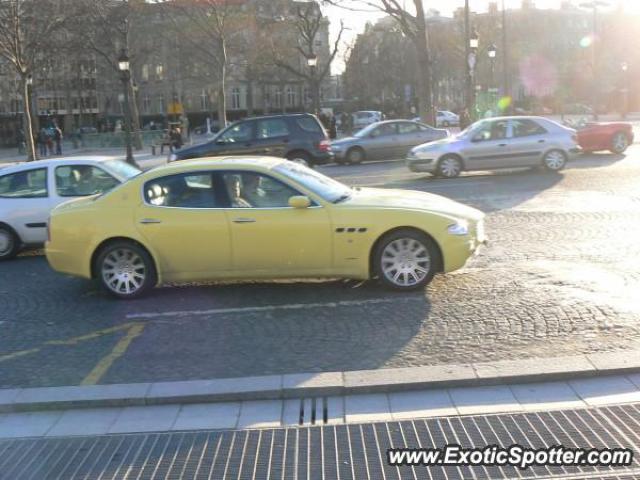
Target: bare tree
211	28
307	26
27	28
106	28
413	23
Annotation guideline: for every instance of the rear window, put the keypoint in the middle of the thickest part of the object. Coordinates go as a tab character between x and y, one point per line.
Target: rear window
309	124
25	184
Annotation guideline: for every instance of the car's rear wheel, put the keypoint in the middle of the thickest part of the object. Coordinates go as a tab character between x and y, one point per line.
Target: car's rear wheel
125	270
303	158
554	160
9	243
449	167
406	260
619	143
355	156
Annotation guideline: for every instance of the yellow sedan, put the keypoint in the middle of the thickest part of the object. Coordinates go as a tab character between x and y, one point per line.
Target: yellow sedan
257	218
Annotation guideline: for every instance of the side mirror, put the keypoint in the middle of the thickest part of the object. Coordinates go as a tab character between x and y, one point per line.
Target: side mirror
299	201
477	138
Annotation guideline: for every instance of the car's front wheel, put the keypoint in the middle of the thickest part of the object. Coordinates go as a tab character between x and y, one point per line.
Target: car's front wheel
619	143
9	243
406	260
554	160
125	270
355	156
449	167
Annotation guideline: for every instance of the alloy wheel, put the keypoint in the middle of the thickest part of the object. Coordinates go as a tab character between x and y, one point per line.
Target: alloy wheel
554	160
619	143
124	272
450	167
6	243
405	262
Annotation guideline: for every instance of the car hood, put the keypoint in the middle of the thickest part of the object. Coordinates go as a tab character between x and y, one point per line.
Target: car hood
413	200
438	143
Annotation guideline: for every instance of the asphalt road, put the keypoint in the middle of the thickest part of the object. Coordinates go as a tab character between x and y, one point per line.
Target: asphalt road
561	276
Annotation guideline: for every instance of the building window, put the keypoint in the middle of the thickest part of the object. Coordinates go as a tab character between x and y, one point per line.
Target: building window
145	73
235	98
162	104
291	96
278	99
146	104
204	101
160	71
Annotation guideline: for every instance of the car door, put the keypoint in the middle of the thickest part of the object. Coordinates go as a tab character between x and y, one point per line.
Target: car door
182	219
272	137
25	203
488	146
383	142
270	238
412	134
528	143
238	139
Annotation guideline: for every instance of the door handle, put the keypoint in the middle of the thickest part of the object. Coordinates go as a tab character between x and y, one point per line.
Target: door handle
502	144
541	141
243	220
147	221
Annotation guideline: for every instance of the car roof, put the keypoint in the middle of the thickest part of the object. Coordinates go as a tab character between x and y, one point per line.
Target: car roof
281	115
217	163
19	166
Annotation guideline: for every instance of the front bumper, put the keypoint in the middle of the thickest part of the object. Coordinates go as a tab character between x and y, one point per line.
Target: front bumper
67	261
416	164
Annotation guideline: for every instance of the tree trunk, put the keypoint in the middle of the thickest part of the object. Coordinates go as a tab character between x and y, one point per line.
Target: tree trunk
222	98
315	95
135	117
28	126
421	41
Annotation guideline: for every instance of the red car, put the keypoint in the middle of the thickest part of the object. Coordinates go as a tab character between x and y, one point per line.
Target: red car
612	136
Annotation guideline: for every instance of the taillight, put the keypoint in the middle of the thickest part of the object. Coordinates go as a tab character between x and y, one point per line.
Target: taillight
324	146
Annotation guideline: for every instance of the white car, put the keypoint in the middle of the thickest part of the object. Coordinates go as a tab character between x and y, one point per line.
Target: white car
30	190
444	118
365	118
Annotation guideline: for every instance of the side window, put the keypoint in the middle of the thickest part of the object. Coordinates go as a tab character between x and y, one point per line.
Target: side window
309	124
525	128
82	180
242	132
254	190
191	190
384	130
272	128
26	184
498	130
406	127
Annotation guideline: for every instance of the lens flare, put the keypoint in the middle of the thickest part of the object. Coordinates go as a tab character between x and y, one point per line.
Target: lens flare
586	41
504	103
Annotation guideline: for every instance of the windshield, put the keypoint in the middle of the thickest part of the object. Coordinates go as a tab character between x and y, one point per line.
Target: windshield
473	127
122	169
329	189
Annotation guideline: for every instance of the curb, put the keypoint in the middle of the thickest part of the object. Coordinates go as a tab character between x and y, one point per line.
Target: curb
298	385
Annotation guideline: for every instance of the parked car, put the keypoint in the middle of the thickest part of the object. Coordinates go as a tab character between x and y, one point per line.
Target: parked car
28	192
364	118
502	142
612	136
252	218
300	137
444	118
384	140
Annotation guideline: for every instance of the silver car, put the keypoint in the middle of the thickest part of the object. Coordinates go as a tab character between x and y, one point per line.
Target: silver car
384	140
29	191
502	142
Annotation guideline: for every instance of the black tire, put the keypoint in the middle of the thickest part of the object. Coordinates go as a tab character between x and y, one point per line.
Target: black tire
9	243
355	155
115	250
554	160
449	166
300	157
619	143
381	259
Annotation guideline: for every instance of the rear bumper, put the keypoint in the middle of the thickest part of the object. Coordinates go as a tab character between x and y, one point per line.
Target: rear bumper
321	158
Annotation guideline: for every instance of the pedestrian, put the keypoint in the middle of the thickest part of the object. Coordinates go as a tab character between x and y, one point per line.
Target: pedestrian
57	136
333	131
42	142
176	139
465	120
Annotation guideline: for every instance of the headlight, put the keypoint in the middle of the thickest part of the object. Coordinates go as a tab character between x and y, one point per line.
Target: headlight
461	227
173	157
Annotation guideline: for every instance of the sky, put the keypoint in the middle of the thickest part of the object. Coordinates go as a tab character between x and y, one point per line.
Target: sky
355	22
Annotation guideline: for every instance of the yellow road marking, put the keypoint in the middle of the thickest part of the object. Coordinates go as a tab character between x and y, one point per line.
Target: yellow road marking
18	354
89	336
106	362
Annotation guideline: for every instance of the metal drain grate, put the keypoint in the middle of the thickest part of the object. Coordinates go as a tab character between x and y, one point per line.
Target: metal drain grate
345	452
313	411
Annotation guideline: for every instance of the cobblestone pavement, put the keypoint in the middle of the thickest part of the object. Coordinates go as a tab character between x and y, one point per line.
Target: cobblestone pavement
561	276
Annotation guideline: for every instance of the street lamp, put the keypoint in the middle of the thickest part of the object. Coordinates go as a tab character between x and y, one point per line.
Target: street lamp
625	67
312	63
125	76
472	49
593	5
492	50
